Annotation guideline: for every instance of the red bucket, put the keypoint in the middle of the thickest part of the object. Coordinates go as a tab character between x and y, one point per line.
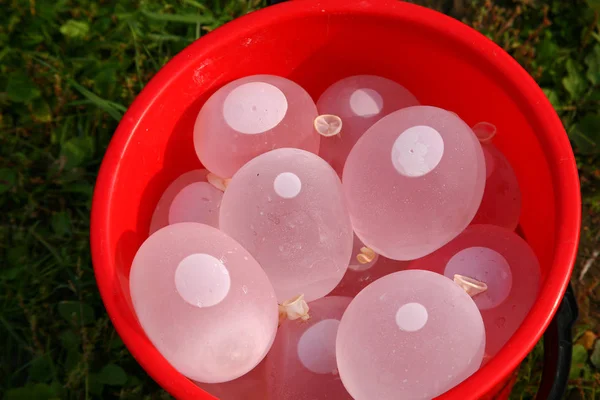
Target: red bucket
443	62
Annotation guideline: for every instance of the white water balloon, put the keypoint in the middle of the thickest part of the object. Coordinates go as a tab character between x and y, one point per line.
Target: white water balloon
160	217
414	181
286	207
197	202
250	116
200	296
409	335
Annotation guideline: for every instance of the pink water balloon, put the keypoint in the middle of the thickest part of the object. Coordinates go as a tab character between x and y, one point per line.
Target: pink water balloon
501	202
286	207
360	101
360	275
301	364
203	301
160	217
251	116
503	261
414	181
197	202
409	335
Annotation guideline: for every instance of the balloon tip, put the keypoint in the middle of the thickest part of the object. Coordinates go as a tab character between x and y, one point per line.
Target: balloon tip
217	181
484	131
328	125
472	286
294	308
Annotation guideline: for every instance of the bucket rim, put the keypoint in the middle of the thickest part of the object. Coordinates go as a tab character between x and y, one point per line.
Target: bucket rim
540	113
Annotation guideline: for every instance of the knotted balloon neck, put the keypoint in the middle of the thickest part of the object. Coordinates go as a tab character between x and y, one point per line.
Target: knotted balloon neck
484	131
217	181
328	125
472	286
366	255
294	308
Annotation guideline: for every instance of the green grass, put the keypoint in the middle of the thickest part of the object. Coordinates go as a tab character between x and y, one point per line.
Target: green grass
68	71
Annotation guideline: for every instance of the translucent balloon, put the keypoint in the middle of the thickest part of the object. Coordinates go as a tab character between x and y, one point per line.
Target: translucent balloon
286	208
197	202
505	263
414	181
252	386
203	301
485	131
363	258
359	275
301	364
251	116
409	335
160	217
360	101
501	203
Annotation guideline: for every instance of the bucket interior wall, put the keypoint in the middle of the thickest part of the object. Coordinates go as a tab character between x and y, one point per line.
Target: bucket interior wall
315	50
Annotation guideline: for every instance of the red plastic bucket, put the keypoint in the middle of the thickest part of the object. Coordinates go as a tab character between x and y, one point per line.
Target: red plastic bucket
443	62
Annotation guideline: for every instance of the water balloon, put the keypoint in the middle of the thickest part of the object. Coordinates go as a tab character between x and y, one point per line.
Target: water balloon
251	116
414	181
199	295
286	207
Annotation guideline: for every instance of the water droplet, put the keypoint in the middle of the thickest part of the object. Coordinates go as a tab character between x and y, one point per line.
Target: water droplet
245	289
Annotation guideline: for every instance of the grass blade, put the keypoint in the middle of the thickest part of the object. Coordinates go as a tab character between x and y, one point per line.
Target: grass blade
188	19
105	105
